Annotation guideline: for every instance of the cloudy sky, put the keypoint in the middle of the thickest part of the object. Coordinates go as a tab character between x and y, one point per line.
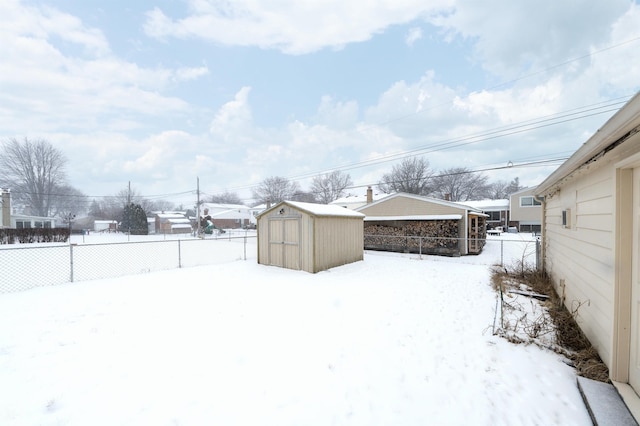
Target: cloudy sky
159	93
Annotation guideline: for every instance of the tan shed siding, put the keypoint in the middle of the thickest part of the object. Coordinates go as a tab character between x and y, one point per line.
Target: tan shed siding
583	255
405	206
338	241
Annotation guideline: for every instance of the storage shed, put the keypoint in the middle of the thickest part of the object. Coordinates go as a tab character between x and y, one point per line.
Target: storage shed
309	237
415	224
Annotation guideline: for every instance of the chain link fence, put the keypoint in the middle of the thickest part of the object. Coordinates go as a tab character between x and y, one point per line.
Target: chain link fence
509	250
24	267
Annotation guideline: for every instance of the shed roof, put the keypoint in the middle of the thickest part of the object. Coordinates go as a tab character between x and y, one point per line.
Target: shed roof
317	209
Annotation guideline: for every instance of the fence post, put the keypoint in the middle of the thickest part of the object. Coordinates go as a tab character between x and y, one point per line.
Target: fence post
245	246
502	253
420	242
179	254
71	261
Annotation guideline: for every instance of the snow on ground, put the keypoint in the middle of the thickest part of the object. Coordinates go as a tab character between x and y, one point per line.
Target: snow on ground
391	340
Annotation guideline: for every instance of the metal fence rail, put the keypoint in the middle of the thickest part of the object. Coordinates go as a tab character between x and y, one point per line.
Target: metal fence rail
24	267
521	249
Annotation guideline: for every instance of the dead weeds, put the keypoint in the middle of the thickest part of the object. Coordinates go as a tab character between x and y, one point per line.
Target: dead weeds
568	338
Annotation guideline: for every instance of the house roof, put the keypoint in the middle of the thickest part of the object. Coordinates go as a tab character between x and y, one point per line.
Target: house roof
358	199
615	131
422	198
502	204
317	209
416	217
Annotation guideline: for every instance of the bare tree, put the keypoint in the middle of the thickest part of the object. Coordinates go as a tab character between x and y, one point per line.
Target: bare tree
330	186
461	184
33	169
275	189
225	198
161	206
412	176
68	201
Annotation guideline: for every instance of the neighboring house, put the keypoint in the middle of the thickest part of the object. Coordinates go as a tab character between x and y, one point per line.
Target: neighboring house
170	223
591	241
229	216
417	224
526	210
497	211
309	237
21	221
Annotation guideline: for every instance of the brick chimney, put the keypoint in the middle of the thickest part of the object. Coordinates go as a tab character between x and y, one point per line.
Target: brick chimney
447	197
369	195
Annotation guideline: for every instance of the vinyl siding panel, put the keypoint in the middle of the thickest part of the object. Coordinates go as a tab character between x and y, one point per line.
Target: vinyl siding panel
296	239
583	254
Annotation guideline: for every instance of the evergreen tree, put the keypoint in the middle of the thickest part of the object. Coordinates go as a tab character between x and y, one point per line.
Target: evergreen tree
134	220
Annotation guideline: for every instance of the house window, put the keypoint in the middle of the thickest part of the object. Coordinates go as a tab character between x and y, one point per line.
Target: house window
529	201
493	216
38	224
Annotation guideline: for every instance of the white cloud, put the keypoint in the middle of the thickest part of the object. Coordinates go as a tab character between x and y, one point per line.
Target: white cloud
413	35
55	90
291	26
516	37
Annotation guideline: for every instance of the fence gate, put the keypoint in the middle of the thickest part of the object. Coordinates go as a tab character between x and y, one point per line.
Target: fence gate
284	242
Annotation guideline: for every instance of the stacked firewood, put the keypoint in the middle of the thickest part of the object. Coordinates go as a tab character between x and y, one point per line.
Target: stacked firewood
439	236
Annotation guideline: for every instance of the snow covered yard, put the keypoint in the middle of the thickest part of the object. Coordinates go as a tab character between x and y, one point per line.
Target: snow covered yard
391	340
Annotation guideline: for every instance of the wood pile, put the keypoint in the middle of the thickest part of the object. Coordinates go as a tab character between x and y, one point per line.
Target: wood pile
426	237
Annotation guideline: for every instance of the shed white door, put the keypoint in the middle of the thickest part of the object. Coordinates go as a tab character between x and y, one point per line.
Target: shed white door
634	362
284	242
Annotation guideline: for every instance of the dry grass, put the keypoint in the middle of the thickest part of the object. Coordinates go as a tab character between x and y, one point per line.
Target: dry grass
569	339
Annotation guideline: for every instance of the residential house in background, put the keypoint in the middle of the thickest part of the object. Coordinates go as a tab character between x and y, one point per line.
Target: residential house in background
229	216
525	212
497	211
591	242
12	219
170	223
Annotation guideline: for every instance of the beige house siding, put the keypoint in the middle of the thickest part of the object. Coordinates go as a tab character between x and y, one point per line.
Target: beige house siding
524	213
589	258
582	255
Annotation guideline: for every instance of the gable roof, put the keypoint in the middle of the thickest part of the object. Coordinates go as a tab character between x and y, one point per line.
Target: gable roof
615	131
324	210
421	198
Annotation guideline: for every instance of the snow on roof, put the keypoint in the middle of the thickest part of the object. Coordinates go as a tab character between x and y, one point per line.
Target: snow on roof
354	199
502	204
324	209
416	217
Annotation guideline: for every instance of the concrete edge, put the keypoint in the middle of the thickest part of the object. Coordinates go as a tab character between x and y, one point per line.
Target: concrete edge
630	398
